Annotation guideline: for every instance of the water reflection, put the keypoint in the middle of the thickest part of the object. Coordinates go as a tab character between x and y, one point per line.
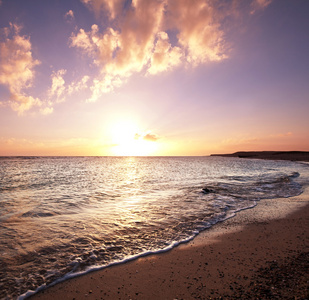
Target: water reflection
64	214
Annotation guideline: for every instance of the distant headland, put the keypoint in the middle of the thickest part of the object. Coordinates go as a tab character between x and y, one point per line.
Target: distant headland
274	155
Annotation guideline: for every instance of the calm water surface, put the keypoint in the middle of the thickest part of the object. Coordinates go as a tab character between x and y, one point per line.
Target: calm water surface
64	215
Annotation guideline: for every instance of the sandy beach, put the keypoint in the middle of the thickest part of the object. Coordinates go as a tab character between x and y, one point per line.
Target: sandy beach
261	253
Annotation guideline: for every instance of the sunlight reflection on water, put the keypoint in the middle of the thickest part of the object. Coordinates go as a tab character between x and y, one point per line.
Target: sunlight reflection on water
64	214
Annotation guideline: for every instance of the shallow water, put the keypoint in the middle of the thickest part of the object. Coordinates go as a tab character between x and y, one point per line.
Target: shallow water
62	215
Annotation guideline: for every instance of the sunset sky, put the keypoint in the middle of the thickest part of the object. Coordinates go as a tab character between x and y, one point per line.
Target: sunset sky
153	77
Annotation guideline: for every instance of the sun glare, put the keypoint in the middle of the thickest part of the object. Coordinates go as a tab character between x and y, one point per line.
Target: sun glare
128	140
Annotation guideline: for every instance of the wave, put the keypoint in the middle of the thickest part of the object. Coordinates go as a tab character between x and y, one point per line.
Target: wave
67	217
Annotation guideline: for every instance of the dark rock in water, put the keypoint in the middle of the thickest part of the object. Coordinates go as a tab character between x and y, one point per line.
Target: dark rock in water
206	190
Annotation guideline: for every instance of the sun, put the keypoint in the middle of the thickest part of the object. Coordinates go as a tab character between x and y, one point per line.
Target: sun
129	140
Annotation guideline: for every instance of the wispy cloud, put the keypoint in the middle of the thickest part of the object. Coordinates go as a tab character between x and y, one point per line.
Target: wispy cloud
69	16
112	7
17	73
77	86
17	68
241	140
257	5
104	84
248	142
29	146
282	135
57	89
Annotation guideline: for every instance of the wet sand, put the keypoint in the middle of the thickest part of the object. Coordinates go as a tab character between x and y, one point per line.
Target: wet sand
262	253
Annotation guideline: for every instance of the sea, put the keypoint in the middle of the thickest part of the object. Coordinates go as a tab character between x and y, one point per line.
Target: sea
65	216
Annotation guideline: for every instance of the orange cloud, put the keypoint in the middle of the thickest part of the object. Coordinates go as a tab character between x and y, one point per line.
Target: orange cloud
105	84
164	56
153	36
77	86
17	73
17	68
139	39
58	85
142	36
85	41
59	90
150	137
198	30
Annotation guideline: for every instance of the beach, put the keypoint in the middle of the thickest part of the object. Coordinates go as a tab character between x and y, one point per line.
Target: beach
261	253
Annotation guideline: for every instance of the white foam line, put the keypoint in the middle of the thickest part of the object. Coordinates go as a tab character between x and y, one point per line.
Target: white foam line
133	257
129	258
97	268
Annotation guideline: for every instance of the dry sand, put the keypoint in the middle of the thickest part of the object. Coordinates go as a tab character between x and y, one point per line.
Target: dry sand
262	253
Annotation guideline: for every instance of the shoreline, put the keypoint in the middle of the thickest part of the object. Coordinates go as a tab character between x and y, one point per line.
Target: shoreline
231	259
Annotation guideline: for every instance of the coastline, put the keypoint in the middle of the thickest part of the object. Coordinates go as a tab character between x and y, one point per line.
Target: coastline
270	155
260	253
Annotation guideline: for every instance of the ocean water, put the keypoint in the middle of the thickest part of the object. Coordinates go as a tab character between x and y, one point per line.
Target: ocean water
62	216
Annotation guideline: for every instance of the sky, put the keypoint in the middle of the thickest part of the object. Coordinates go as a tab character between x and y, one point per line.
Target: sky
153	77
